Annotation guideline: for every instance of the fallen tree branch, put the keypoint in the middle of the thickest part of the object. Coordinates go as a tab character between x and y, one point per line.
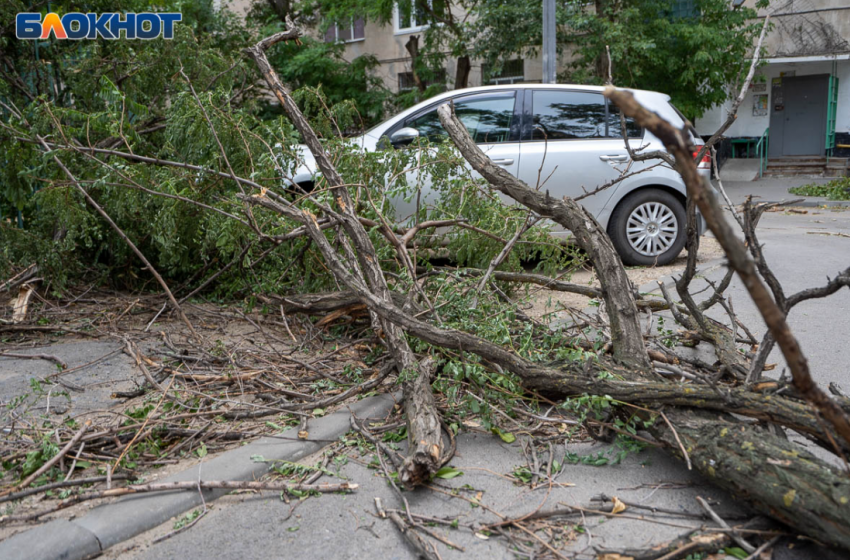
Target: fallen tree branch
53	460
48	357
677	143
422	417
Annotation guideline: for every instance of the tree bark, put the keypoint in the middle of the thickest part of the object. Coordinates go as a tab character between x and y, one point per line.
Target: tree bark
775	475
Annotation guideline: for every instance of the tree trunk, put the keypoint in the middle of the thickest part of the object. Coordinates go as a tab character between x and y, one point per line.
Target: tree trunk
412	47
775	475
462	72
281	8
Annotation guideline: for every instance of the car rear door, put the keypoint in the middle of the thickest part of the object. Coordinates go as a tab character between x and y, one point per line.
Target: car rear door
572	145
490	119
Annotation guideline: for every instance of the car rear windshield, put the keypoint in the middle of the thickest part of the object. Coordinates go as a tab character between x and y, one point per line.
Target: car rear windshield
685	121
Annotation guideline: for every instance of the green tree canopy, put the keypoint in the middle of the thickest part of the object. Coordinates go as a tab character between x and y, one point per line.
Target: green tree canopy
690	49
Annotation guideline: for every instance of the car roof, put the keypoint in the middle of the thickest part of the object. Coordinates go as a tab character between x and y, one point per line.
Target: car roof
583	87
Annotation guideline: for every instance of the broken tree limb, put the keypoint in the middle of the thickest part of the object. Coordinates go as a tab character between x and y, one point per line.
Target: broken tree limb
699	431
423	457
589	235
779	478
419	467
678	144
328	302
48	357
691	543
55	459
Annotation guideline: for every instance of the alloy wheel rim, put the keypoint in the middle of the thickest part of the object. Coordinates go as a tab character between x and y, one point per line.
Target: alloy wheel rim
652	229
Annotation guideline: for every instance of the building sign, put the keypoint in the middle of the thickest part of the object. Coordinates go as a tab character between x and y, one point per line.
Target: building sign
759	105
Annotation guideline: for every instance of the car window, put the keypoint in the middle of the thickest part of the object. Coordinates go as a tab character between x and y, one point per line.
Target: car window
566	115
487	118
614	129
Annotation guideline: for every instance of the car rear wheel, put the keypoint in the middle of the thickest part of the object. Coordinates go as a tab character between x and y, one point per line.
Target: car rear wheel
648	228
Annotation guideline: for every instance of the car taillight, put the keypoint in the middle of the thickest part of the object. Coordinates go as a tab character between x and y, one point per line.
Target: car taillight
705	162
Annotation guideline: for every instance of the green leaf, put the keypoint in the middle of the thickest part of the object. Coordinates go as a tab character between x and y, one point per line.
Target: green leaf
318	412
447	473
507	437
202	451
736	552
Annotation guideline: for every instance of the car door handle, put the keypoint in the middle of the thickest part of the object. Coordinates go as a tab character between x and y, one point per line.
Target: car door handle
503	161
619	158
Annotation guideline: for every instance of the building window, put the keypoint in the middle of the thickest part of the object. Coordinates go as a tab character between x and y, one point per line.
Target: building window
407	83
511	73
339	32
409	17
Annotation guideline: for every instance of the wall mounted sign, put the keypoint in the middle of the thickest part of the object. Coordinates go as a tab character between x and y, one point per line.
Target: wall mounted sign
760	106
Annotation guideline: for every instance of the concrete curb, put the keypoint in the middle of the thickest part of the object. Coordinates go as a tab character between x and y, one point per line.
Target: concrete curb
125	518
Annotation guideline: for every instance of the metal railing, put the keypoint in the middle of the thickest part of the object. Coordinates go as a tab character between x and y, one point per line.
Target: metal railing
762	150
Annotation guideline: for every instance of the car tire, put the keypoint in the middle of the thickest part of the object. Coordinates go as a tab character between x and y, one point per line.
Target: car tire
648	228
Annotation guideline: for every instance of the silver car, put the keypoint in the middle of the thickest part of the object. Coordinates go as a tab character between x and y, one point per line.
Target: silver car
565	139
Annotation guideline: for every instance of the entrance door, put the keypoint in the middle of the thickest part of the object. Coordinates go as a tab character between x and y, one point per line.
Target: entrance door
798	116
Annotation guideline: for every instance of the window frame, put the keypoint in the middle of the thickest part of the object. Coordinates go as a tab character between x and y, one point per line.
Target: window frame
504	80
528	118
439	79
397	29
353	39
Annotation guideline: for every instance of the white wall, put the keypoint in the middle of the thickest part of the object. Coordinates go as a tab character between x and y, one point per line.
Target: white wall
748	125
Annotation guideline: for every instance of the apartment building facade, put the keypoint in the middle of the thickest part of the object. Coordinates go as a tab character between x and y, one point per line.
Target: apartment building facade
800	100
387	42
